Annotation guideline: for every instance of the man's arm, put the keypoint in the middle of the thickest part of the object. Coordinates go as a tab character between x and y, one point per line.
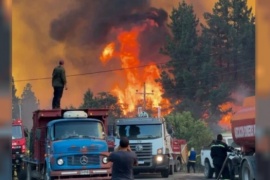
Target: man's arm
63	77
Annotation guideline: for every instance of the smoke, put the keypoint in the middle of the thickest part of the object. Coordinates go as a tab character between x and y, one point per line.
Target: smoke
91	23
77	31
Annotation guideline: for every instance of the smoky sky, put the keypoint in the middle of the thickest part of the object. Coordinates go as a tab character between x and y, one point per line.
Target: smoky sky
90	23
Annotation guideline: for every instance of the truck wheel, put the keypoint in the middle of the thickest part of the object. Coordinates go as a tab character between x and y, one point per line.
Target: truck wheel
171	169
231	171
246	172
165	174
177	166
208	171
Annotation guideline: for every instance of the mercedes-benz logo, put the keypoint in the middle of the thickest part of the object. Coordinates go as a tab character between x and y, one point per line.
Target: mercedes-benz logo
84	160
139	147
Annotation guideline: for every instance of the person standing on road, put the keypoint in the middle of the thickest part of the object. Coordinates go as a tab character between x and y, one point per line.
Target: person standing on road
219	151
59	82
191	160
123	160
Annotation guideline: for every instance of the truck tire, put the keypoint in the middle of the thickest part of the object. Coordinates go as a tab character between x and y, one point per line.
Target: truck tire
246	172
208	170
177	166
231	171
171	169
165	173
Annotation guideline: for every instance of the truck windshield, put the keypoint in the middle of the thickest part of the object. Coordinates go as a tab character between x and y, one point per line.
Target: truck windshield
78	129
17	132
134	132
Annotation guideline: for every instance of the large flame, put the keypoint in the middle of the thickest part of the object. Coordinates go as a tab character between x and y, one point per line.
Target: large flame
225	121
130	88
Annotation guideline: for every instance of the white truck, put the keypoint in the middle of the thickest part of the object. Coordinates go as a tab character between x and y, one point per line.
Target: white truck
206	160
149	139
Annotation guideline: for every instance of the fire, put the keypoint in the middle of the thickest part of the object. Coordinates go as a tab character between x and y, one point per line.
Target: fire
107	53
133	79
225	121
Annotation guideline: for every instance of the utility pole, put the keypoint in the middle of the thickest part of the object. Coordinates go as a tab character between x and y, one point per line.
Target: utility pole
144	95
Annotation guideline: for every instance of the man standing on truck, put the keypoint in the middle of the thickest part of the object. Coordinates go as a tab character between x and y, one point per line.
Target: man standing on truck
219	151
191	160
123	161
59	82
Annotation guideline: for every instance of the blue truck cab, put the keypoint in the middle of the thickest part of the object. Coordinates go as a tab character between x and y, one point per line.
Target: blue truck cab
72	146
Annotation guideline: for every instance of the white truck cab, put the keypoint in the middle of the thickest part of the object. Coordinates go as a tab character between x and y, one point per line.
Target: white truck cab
149	139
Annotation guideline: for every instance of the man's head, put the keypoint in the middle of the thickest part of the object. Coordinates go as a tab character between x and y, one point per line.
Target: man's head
192	149
61	62
219	137
124	142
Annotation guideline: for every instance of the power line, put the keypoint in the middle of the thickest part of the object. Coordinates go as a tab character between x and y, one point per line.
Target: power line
106	71
90	73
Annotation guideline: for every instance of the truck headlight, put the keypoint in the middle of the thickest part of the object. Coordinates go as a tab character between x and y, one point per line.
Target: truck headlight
60	162
159	158
159	151
105	160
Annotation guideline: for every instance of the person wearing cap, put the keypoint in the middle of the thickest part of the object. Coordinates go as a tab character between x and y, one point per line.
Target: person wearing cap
191	160
123	160
59	82
219	151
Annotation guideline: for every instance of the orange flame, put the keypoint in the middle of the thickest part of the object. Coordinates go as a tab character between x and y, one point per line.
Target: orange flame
107	53
134	78
225	121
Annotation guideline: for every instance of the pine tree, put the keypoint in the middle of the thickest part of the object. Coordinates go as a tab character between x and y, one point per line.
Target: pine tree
15	101
29	105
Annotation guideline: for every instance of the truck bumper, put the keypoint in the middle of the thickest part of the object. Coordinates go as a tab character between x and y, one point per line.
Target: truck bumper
83	174
155	166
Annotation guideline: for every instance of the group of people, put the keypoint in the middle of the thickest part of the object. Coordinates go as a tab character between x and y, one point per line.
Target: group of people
124	159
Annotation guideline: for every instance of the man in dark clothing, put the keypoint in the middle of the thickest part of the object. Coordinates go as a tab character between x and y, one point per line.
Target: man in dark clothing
219	151
59	82
123	161
191	160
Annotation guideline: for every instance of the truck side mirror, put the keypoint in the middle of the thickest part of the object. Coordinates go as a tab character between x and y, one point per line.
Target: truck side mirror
170	131
38	134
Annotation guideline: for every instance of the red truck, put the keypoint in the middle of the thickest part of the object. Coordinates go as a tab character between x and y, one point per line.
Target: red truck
243	131
18	144
69	144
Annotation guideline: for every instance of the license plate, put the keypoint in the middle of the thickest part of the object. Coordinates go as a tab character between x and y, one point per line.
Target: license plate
140	162
85	172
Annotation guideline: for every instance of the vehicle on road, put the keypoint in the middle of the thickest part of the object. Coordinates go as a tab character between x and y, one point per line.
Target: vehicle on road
156	150
19	146
241	161
206	159
243	131
68	144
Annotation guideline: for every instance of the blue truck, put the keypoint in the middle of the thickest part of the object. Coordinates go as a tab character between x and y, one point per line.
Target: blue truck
68	144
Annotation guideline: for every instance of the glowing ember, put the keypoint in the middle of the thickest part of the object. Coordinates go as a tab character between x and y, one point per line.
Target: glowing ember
107	53
134	78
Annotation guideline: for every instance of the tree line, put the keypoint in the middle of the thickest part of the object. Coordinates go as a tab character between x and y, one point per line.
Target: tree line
207	64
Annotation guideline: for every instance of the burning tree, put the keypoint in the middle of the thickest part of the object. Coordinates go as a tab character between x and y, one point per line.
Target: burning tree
205	72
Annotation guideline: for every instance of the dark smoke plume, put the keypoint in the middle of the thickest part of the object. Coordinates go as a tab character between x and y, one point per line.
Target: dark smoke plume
90	23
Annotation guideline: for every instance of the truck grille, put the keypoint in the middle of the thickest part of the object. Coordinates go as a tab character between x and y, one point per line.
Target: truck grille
83	160
88	148
143	152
